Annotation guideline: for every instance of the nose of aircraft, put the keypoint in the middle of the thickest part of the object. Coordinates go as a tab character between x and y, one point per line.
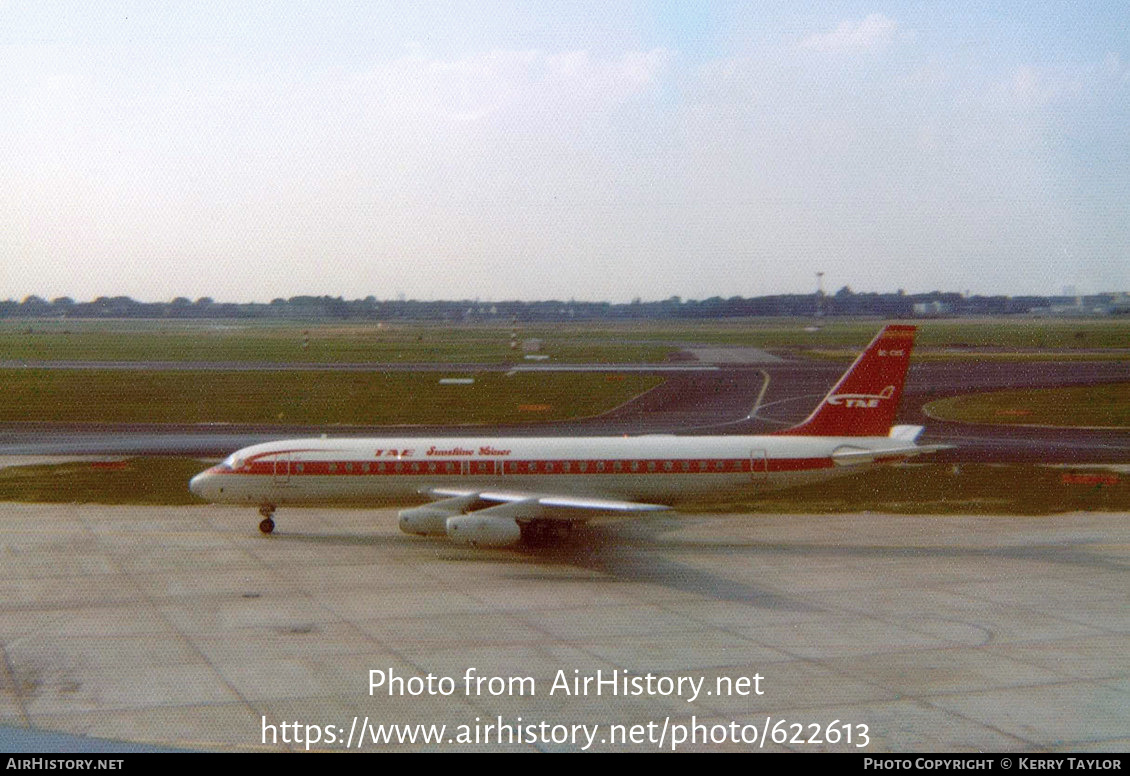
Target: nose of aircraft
197	484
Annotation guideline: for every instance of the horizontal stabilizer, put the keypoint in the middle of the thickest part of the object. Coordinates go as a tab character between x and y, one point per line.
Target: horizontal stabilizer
847	456
906	433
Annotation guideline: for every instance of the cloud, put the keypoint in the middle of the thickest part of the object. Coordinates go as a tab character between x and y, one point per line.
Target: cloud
1115	69
502	84
872	32
1031	88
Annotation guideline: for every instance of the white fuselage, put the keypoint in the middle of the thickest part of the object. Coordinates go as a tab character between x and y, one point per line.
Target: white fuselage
658	469
496	492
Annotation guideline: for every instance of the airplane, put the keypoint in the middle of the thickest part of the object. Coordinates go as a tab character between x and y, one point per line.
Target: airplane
497	492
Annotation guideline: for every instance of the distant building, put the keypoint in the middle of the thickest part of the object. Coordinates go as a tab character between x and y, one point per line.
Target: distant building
932	309
1087	307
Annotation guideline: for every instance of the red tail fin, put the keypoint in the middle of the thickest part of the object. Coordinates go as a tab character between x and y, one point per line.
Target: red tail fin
864	401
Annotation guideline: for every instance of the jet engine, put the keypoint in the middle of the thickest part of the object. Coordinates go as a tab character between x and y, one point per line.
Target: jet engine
480	530
431	519
425	521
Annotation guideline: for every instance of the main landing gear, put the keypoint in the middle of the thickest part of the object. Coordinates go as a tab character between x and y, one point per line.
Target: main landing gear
267	524
539	533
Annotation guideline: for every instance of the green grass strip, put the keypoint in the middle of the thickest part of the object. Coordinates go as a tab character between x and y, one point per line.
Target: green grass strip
589	341
142	481
46	341
318	398
1089	405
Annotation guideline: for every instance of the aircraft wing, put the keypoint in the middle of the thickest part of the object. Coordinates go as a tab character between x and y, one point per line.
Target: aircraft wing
549	500
845	456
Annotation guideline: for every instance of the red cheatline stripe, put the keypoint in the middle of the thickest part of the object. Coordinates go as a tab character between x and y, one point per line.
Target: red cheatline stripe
554	467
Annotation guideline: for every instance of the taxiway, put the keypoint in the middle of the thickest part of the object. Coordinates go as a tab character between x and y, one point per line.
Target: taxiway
183	627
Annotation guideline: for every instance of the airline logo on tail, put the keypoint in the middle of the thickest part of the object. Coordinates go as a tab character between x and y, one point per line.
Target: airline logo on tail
874	383
862	399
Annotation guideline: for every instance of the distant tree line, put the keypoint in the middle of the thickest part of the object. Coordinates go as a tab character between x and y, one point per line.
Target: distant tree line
843	302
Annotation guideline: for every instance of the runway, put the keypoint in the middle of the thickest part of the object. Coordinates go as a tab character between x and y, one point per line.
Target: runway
184	627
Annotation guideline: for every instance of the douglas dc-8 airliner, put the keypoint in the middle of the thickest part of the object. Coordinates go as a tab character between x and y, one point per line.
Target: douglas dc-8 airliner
495	492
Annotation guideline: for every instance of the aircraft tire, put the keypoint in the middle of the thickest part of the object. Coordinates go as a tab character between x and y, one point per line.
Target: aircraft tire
540	533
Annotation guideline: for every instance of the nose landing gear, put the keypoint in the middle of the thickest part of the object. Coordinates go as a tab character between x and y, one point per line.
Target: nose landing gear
267	524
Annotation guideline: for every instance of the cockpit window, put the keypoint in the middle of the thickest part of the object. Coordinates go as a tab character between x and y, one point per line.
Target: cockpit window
233	462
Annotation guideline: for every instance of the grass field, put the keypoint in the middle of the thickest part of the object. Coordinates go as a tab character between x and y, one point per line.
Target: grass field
953	335
315	343
147	481
588	342
1091	405
1021	489
310	397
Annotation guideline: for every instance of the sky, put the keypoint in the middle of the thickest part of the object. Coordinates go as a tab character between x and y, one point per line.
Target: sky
562	150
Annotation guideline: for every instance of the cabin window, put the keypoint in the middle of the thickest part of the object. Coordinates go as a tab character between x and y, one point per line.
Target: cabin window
333	468
668	466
